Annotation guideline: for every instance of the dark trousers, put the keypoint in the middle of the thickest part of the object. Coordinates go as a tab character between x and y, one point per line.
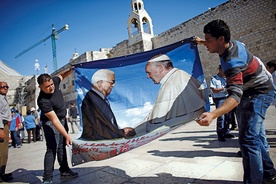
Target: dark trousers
222	124
55	144
37	132
31	131
15	136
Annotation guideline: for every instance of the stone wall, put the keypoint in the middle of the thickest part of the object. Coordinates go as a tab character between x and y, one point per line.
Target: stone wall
252	22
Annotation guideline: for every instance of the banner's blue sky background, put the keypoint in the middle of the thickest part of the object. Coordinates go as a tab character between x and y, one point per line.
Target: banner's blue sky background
93	24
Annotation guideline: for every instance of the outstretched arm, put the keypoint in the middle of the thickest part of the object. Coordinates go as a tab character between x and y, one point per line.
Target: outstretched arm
66	73
207	117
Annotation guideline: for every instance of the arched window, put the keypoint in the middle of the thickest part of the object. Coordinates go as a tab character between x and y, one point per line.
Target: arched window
135	26
146	25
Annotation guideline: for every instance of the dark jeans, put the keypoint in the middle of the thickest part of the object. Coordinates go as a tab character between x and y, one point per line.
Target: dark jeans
15	138
222	124
55	144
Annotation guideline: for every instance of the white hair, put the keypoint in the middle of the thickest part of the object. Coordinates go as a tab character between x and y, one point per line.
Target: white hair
101	74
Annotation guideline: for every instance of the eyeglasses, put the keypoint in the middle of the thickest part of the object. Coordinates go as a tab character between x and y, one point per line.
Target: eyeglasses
1	87
111	82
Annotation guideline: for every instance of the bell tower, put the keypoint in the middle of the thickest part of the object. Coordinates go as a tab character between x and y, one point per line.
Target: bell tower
140	29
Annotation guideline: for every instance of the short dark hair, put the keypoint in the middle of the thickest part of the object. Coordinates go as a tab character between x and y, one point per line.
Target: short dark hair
29	112
43	78
218	28
271	63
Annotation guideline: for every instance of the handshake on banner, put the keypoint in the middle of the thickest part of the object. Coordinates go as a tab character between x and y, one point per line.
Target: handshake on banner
129	132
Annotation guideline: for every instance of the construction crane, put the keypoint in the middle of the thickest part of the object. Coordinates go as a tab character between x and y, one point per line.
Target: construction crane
54	37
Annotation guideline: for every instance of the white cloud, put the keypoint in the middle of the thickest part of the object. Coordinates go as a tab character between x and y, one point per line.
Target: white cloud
134	112
135	115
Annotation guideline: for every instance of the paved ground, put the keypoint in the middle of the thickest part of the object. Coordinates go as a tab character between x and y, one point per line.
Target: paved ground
189	154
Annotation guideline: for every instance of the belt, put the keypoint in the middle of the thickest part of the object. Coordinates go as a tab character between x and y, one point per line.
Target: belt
5	122
220	98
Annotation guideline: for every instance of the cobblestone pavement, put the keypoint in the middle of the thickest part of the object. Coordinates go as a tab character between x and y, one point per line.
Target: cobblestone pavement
188	154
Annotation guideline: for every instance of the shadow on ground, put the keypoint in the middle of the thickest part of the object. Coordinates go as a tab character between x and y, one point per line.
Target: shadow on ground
108	175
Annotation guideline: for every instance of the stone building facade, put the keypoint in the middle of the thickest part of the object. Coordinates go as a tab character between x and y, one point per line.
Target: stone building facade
252	22
17	86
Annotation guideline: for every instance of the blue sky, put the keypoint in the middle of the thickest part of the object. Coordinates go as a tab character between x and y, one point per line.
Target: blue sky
93	24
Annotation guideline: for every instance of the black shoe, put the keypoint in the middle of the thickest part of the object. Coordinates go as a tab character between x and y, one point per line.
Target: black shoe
271	179
239	153
221	139
234	128
6	177
69	174
229	136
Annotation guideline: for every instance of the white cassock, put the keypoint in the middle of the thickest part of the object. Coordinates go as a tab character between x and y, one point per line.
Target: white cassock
179	100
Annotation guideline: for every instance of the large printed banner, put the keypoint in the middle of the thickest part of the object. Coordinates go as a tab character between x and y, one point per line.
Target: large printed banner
134	99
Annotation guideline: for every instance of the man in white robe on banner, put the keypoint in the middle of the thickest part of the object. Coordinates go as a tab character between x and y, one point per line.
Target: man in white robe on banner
180	98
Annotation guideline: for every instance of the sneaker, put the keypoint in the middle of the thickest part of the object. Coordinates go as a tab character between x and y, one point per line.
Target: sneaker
229	136
69	174
271	179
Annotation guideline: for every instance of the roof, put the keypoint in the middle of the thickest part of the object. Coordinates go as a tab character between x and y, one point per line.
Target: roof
8	70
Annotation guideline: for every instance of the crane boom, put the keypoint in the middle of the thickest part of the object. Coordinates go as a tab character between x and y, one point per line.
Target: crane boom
53	36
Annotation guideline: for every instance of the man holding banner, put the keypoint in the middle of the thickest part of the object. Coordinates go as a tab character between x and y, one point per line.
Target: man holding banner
53	112
250	89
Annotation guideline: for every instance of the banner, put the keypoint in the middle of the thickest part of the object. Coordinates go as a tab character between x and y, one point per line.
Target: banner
134	99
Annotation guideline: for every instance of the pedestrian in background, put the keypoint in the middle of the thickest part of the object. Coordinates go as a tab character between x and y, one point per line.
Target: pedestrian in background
37	122
73	113
5	118
30	126
14	128
219	94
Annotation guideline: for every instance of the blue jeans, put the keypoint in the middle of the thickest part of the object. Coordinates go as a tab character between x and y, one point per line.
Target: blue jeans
263	138
55	144
222	124
250	116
